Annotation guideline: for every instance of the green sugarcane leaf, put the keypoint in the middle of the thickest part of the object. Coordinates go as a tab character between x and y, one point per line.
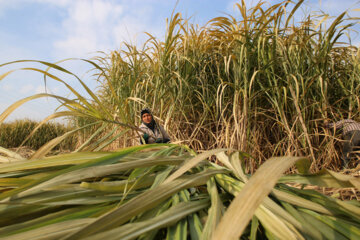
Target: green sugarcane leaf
53	231
191	163
254	228
120	186
168	218
215	212
325	178
51	218
13	155
143	202
247	201
307	228
328	232
348	230
67	175
195	226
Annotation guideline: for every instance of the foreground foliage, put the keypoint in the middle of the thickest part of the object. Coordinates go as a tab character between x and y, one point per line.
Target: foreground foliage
168	192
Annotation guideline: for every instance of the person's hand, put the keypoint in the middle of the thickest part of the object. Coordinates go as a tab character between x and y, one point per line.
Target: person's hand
159	140
145	136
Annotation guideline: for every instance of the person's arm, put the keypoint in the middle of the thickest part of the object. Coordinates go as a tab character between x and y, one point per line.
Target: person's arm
144	139
340	124
143	135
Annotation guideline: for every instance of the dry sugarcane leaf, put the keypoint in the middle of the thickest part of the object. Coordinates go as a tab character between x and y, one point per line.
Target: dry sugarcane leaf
191	163
243	207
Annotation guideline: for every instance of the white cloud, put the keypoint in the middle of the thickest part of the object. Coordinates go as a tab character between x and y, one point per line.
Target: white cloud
89	27
61	3
52	90
26	89
56	90
5	5
15	4
40	89
7	87
11	52
102	25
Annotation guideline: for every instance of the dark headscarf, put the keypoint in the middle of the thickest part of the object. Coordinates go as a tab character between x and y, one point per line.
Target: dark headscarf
150	125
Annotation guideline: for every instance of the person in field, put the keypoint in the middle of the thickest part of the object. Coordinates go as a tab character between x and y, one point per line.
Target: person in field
351	135
151	131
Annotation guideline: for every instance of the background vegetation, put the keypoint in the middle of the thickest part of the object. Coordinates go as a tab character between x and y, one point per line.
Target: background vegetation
13	134
264	84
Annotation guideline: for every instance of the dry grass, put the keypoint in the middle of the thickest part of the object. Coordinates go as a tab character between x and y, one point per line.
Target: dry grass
263	84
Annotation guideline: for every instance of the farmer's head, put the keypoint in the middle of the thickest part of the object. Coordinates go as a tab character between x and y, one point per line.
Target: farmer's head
146	116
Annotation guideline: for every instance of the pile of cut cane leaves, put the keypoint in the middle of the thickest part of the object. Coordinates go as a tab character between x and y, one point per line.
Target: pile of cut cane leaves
167	191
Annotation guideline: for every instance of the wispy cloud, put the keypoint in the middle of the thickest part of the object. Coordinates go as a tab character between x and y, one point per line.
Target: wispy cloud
28	88
7	87
61	3
83	27
5	5
88	27
41	89
101	25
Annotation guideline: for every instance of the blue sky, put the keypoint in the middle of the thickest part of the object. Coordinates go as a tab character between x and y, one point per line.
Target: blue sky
52	30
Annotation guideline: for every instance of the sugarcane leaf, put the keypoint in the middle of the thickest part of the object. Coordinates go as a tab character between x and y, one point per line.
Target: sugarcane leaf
178	231
143	202
119	186
324	178
300	201
266	209
8	159
327	231
254	228
337	207
168	218
307	228
13	182
88	140
195	226
52	161
191	163
256	189
13	155
65	174
236	163
355	182
348	230
273	224
215	212
79	174
109	141
53	231
50	218
160	178
20	102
